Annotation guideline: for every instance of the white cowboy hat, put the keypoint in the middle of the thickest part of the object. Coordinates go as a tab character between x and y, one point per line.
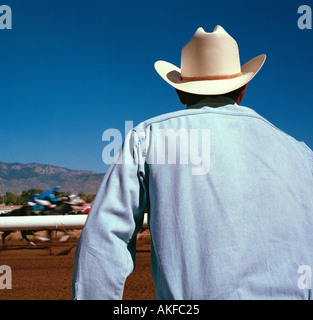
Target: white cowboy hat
210	65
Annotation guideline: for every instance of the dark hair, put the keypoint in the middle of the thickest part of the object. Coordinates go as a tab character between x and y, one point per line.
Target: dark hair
191	98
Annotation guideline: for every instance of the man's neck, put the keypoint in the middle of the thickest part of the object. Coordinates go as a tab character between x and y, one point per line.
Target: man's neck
212	101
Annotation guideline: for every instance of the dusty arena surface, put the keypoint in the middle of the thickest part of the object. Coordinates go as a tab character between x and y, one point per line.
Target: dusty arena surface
44	271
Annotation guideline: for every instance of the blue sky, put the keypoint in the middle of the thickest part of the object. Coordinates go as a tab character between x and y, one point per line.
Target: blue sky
72	69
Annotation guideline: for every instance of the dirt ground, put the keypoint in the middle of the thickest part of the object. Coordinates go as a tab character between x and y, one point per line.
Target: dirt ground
44	271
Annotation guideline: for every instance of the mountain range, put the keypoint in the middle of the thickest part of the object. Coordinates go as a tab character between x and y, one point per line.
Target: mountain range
16	177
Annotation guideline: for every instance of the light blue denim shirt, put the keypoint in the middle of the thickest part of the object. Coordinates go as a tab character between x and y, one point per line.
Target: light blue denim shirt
230	201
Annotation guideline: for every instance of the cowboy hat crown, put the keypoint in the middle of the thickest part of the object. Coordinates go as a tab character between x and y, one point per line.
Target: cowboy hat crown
210	65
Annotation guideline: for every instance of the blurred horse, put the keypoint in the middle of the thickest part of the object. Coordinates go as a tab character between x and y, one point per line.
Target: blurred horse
64	207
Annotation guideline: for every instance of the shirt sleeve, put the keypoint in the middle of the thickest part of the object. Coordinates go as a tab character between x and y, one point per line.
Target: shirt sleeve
105	254
52	198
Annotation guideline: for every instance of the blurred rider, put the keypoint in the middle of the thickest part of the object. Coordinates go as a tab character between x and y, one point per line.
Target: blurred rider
50	195
46	200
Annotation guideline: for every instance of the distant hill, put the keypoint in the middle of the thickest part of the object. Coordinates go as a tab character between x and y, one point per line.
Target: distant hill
16	177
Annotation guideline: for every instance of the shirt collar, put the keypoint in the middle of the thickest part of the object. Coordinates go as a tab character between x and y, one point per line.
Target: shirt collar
213	101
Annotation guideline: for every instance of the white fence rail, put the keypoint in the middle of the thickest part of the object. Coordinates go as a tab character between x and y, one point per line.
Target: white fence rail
46	222
43	222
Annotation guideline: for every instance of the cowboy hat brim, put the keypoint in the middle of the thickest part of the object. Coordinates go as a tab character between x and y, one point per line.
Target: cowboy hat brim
171	74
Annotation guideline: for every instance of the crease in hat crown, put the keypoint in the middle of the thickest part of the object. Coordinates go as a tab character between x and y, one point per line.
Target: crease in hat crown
210	55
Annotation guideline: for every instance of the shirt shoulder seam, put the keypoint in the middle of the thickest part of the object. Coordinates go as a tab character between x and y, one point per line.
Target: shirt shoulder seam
143	128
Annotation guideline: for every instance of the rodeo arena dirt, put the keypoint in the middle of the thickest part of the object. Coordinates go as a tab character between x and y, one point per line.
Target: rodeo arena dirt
42	270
